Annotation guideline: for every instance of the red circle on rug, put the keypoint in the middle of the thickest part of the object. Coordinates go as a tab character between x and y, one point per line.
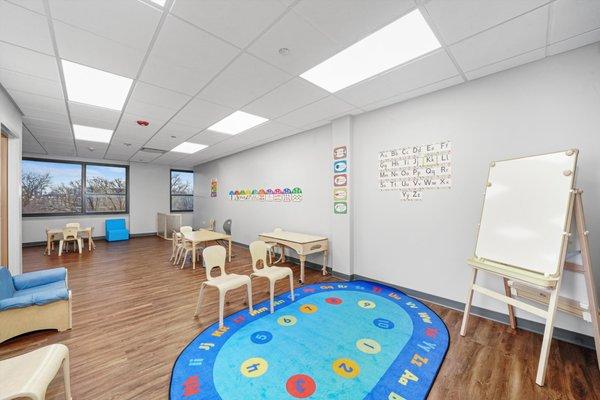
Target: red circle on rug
300	386
334	300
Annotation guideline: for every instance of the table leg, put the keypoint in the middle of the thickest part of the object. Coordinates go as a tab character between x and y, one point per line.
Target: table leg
229	249
48	244
302	261
193	255
325	262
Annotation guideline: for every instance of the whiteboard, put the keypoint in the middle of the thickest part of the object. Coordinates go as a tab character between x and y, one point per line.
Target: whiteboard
525	211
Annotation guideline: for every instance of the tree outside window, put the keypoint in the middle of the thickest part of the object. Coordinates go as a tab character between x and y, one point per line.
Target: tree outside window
182	190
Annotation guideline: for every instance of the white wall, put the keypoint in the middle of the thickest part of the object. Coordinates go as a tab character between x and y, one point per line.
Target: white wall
148	194
10	118
302	160
546	106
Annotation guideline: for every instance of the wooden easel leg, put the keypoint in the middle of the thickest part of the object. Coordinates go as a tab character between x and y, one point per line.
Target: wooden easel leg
465	321
582	235
511	310
545	352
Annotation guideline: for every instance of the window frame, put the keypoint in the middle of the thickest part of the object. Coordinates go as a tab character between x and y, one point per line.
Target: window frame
83	165
171	191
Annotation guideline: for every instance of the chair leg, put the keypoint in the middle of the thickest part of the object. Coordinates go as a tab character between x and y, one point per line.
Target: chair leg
177	253
79	245
272	293
200	298
249	291
221	306
292	286
67	378
60	247
465	321
184	257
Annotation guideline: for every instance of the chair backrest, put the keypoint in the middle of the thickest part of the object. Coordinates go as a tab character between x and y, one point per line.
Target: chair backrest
114	224
258	251
7	286
212	224
186	229
277	230
214	256
227	227
70	233
73	225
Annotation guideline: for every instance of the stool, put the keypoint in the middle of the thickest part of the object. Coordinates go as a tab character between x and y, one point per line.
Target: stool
29	374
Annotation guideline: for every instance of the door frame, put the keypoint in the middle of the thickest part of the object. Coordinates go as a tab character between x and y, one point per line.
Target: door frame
4	165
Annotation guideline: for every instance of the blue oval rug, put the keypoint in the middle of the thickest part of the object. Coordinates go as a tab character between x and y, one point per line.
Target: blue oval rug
337	340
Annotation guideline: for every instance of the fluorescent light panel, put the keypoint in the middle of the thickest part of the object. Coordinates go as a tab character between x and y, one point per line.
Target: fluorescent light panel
92	134
189	148
95	87
237	122
403	40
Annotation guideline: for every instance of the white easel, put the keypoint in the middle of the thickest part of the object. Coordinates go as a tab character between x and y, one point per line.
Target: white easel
537	281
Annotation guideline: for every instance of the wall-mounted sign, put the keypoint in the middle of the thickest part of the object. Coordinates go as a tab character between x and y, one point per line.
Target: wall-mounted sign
340	194
340	180
340	152
277	194
213	187
340	166
340	207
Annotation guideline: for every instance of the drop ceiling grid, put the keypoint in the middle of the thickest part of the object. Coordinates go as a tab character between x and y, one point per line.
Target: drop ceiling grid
570	35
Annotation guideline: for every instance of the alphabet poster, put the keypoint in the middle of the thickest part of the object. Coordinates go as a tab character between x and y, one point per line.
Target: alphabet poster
278	194
414	169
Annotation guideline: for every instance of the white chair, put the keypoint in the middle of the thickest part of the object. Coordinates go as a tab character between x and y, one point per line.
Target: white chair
73	225
177	243
70	235
186	229
187	247
214	256
29	374
258	250
271	249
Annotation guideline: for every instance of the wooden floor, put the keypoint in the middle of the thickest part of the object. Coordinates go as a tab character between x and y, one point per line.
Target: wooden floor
133	314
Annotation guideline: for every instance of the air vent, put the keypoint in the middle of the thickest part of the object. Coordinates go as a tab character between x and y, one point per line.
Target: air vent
152	151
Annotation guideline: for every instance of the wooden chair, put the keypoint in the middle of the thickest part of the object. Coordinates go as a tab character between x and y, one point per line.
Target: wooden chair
214	256
53	238
70	235
258	250
187	246
29	374
175	244
271	249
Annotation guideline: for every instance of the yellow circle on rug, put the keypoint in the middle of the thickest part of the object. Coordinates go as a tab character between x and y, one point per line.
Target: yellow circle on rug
366	304
308	308
287	320
254	367
368	346
346	368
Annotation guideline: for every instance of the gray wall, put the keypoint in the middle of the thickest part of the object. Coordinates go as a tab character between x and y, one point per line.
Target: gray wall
545	106
148	194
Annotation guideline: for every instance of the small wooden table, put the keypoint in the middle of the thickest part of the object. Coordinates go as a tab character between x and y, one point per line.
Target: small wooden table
204	235
301	243
51	233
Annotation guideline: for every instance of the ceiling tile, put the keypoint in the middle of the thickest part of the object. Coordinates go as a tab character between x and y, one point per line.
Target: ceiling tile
574	42
209	138
163	142
573	17
30	144
28	62
170	158
348	21
508	63
237	21
244	80
307	46
37	124
180	131
98	117
24	28
201	114
142	156
285	98
512	38
33	5
262	132
129	131
28	83
129	22
88	149
28	101
184	58
459	19
97	52
154	114
316	111
149	94
428	69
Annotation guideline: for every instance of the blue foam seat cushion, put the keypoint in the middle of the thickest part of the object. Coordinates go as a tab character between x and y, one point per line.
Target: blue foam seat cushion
37	278
33	288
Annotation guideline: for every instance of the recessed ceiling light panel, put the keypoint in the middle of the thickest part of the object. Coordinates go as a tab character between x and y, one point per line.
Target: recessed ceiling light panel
92	134
95	87
237	122
403	40
189	148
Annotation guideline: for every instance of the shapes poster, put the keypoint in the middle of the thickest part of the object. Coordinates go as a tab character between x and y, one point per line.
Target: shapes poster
414	169
340	180
285	195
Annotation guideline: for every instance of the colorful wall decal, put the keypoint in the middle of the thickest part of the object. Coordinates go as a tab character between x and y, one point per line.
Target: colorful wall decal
340	194
213	187
342	340
340	166
340	207
340	152
413	169
340	180
268	195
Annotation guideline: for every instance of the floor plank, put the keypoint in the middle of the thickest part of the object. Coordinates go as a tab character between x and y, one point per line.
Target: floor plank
133	314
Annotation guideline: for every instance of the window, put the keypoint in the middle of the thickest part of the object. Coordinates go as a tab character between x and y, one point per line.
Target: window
182	190
52	187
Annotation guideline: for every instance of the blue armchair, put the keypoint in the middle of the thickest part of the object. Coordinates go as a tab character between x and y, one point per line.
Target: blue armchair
116	230
34	301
